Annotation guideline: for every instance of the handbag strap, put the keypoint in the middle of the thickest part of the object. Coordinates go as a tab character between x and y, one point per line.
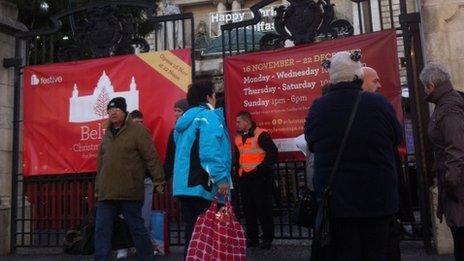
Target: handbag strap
215	200
343	144
213	206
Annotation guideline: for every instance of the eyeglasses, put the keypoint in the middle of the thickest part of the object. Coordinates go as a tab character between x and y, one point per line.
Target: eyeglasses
113	109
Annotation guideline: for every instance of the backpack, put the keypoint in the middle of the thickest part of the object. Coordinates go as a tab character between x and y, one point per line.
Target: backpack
80	242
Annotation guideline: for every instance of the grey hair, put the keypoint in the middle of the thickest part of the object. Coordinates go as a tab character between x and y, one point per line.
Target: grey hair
434	73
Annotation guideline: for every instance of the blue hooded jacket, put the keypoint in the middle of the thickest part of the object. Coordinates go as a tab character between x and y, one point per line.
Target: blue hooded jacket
203	153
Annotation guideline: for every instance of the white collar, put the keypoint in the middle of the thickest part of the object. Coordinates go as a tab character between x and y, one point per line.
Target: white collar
210	106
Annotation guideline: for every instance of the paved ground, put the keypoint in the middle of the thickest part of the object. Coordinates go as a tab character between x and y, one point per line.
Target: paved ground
288	251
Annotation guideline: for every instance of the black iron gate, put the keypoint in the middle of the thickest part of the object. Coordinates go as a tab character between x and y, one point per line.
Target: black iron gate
307	21
44	207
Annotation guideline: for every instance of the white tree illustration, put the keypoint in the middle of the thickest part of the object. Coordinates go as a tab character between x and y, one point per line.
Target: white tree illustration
102	101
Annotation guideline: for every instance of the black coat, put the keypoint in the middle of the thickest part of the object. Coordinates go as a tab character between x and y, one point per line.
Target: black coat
366	182
168	165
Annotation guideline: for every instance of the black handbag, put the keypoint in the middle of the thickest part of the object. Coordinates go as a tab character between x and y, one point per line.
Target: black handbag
122	237
81	241
305	210
322	223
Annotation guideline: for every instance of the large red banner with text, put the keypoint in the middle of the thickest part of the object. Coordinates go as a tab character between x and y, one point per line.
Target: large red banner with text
65	105
278	87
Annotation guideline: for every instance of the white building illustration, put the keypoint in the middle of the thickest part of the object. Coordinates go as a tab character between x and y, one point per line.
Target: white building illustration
93	107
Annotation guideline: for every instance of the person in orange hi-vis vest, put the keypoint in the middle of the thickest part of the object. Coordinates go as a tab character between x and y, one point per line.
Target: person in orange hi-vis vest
255	155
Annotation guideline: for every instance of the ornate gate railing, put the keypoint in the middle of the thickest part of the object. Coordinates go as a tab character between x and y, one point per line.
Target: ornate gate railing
44	207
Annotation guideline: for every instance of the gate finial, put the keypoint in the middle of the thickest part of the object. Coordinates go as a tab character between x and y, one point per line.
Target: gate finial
304	21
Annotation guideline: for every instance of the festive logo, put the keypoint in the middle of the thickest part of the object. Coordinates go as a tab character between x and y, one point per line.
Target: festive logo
93	107
34	80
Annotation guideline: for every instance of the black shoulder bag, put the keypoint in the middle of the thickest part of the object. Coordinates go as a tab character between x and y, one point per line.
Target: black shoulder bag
322	224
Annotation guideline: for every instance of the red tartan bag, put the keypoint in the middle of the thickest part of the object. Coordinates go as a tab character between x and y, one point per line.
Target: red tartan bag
217	236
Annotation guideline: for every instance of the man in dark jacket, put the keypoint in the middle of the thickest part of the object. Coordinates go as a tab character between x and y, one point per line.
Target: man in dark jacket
125	152
179	108
446	131
364	195
255	155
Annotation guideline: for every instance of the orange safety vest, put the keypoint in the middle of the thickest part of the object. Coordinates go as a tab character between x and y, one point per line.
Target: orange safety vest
251	154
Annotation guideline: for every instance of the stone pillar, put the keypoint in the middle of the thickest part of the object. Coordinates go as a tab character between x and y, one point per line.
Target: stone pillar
7	11
8	27
221	7
172	28
443	30
236	5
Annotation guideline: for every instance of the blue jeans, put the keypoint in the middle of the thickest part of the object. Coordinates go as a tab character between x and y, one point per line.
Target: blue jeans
146	209
132	212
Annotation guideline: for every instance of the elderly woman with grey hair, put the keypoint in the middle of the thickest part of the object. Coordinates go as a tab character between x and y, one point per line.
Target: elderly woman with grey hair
446	131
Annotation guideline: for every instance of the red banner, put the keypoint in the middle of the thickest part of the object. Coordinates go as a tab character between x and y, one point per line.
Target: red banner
65	105
278	87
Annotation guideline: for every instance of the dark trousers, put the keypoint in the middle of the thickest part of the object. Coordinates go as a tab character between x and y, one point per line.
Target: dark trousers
191	208
394	238
458	238
132	212
256	195
356	239
316	250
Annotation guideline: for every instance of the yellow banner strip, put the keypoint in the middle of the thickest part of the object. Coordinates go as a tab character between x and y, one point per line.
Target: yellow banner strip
170	66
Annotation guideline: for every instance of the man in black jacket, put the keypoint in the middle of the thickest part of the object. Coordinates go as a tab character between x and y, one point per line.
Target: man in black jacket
179	108
255	155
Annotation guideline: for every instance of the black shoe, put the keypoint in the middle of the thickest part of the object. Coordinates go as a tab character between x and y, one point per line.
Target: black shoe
252	243
266	244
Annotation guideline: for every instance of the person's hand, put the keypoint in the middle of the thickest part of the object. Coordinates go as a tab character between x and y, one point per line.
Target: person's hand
159	189
223	189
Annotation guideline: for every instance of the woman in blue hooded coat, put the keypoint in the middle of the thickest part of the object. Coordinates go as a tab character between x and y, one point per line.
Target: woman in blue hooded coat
202	163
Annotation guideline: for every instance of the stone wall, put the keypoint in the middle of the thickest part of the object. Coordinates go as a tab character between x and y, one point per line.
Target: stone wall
443	29
7	12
